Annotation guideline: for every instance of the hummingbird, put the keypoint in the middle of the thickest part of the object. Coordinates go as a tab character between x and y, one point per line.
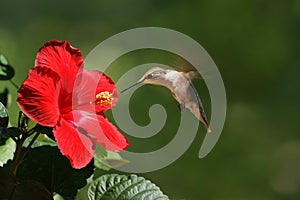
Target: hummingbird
181	87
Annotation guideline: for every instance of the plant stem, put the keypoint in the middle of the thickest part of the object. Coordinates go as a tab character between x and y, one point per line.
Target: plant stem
14	84
17	160
30	132
28	147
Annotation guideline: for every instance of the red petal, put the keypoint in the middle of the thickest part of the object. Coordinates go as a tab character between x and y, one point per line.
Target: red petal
38	96
62	58
113	134
100	129
73	144
87	86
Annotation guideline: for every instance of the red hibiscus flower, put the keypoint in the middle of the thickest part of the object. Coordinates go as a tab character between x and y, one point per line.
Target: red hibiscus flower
59	93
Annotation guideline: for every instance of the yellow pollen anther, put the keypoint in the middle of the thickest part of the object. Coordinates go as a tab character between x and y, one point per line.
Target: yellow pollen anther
104	99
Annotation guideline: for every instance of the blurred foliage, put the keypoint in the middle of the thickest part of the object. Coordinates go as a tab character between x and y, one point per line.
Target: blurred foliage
254	43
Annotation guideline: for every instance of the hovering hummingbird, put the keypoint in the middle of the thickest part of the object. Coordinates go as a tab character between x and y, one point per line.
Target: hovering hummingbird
181	87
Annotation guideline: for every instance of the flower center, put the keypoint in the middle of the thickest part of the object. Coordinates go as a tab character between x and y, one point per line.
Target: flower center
104	99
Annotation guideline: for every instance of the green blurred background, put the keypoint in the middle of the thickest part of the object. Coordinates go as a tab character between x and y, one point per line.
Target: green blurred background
255	45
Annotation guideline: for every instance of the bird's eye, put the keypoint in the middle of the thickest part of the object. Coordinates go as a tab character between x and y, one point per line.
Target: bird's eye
149	76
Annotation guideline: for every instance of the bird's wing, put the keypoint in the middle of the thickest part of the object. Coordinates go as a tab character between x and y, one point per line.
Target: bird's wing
196	106
181	64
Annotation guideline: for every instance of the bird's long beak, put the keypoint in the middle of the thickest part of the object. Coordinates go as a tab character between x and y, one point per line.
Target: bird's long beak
138	82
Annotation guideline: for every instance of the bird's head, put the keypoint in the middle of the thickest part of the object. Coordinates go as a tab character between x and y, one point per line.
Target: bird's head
153	76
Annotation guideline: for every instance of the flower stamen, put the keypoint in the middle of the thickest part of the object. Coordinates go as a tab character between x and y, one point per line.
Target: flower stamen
104	99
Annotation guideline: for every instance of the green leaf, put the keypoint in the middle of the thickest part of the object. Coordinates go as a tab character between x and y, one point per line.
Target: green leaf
31	190
3	116
57	197
121	187
6	71
99	157
105	160
47	165
7	182
7	151
41	140
3	135
4	97
114	160
82	192
3	60
10	188
13	132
